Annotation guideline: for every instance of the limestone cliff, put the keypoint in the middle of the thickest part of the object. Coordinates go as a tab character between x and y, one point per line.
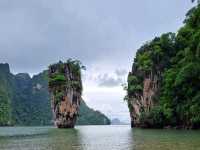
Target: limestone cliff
65	87
144	99
145	79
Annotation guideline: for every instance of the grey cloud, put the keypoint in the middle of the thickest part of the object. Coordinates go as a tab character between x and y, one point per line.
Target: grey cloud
108	81
35	33
120	72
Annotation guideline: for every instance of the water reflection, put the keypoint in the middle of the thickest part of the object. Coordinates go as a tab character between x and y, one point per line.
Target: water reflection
166	139
80	138
63	139
106	138
38	138
97	138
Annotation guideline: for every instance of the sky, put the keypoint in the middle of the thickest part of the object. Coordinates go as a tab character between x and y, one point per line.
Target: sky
103	34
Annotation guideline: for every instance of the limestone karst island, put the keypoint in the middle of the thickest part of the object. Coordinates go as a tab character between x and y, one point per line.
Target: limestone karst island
100	75
65	87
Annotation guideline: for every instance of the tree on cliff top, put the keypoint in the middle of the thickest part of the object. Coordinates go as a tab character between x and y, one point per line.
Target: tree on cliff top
59	70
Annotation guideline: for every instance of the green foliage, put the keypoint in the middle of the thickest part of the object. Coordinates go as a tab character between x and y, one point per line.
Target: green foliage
5	95
134	84
30	103
57	80
187	73
75	66
181	87
194	110
144	61
89	116
4	109
66	75
152	119
175	59
193	17
130	106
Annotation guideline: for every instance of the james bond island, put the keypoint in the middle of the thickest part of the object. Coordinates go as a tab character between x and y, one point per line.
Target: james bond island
65	87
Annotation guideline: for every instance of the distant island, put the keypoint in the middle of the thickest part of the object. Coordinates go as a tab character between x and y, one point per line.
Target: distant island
116	121
25	101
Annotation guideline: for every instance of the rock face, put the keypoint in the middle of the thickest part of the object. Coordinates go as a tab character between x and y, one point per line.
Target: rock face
65	87
145	81
143	100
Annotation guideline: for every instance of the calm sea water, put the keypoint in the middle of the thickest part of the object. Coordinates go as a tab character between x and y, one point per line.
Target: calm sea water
97	138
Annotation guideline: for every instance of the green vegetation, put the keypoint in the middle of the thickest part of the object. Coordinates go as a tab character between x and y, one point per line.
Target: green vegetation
76	66
4	108
152	119
144	61
89	116
134	85
30	104
175	60
58	78
25	101
5	95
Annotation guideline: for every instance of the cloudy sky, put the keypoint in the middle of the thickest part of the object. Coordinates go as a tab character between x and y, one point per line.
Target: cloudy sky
103	34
